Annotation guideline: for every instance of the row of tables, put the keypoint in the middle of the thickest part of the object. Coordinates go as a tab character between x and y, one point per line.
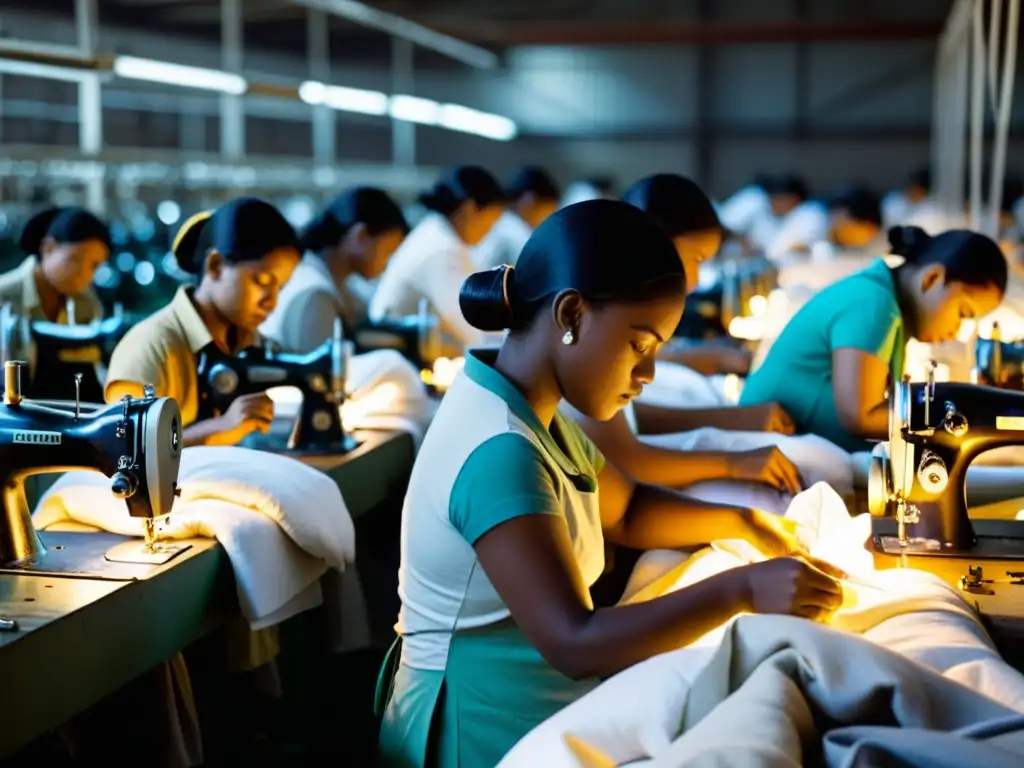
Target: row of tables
80	639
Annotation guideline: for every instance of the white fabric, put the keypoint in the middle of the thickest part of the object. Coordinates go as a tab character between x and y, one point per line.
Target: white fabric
805	225
895	208
431	263
281	522
503	243
676	386
739	213
635	718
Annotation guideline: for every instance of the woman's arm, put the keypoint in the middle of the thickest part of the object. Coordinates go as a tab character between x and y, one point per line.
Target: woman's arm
648	463
657	420
859	381
709	359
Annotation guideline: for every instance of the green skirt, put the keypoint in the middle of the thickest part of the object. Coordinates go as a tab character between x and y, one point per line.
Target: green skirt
494	690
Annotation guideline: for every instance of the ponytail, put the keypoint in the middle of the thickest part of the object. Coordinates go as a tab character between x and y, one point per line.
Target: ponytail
441	200
323	232
485	299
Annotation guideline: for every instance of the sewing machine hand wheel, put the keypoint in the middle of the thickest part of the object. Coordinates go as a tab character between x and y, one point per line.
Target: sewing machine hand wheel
123	485
954	422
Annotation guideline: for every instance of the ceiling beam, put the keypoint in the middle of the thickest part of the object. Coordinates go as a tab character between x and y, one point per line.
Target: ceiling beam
583	33
363	14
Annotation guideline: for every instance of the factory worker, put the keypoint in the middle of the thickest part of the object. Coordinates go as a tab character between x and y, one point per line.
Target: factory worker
739	213
434	259
686	214
503	527
65	247
830	366
532	196
242	254
856	220
356	234
795	222
898	206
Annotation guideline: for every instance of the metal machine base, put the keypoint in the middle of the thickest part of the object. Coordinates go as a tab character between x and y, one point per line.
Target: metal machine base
348	445
985	548
140	553
84	556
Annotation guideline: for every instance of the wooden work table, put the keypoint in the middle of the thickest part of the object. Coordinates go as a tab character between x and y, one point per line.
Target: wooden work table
80	639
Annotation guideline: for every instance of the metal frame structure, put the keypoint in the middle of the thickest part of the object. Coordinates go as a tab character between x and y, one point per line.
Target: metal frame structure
967	70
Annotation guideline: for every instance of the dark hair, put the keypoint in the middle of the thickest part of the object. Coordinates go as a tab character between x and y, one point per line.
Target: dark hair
532	180
675	202
922	177
788	184
969	257
64	225
859	202
462	183
244	229
605	249
761	180
369	206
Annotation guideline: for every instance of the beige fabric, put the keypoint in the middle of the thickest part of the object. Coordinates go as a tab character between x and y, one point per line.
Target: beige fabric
161	351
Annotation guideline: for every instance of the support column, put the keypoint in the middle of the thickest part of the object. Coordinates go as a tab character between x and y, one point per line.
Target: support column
403	133
704	145
232	108
319	42
90	104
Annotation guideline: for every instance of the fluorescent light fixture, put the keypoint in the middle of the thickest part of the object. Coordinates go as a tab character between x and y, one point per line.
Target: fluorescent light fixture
458	118
344	99
151	71
413	109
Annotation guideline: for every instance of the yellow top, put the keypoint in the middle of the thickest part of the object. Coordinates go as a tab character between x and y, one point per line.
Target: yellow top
161	350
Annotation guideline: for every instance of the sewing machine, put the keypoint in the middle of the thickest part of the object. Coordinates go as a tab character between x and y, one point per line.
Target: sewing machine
999	363
935	431
136	443
319	376
417	337
737	286
77	345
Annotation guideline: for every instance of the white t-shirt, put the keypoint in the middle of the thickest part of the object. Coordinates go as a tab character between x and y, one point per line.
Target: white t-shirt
503	243
805	225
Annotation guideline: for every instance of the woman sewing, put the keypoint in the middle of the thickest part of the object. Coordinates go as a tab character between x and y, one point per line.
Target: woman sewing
503	528
65	247
242	254
434	259
355	235
688	217
830	366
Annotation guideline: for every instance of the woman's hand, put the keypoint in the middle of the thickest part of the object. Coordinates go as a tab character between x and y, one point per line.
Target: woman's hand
734	360
793	587
771	417
246	414
776	536
766	465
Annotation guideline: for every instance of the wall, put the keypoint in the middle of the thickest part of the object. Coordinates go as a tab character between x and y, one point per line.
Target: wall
833	111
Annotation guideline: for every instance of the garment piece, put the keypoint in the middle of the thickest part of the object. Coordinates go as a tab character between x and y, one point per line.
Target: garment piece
503	243
308	305
860	312
903	649
281	522
431	263
486	459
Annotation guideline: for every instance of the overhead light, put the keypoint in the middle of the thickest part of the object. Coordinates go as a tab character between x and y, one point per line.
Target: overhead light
151	71
413	109
458	118
344	99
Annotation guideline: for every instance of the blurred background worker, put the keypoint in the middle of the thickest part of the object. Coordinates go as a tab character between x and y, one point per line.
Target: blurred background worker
532	196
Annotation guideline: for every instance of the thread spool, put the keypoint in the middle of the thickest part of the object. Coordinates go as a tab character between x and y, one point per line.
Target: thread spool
12	382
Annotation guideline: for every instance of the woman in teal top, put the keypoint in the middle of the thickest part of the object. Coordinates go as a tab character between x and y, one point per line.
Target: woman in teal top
503	528
830	366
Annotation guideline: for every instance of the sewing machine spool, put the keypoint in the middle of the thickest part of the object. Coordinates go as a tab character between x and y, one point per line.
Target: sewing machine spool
935	432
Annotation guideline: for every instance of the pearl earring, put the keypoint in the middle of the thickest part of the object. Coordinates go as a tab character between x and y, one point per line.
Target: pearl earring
568	338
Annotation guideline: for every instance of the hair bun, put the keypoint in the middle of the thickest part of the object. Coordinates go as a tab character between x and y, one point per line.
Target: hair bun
321	233
190	241
485	299
908	241
36	229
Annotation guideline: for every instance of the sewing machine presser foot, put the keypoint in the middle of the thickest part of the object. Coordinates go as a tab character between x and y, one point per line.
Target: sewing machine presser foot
143	553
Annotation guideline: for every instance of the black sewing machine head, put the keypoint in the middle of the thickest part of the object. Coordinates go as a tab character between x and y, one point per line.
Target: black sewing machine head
935	431
416	337
319	376
63	349
136	443
1000	363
